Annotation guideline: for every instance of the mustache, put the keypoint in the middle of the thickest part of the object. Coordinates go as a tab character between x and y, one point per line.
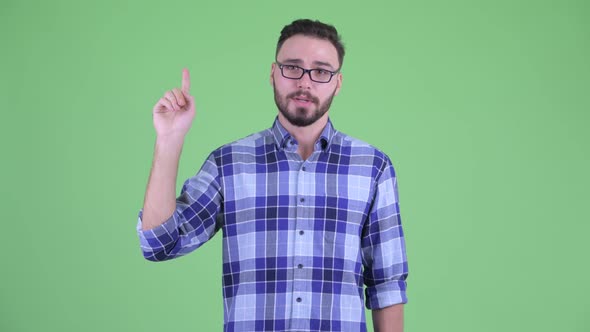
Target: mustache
305	94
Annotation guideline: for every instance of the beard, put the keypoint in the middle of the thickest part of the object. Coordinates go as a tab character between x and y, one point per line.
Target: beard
302	116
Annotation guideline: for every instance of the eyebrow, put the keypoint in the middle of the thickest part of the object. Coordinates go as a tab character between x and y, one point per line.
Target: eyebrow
315	63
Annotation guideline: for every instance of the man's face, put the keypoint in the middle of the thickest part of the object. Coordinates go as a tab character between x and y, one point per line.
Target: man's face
302	101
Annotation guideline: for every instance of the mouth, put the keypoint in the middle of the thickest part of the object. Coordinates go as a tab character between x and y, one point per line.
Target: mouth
302	100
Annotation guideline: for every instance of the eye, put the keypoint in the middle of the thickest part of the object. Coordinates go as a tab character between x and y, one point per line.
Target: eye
289	67
323	73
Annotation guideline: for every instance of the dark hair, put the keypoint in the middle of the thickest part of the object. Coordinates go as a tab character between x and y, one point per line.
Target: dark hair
315	29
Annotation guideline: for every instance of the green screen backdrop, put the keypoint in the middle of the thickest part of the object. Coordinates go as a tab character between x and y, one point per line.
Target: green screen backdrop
483	107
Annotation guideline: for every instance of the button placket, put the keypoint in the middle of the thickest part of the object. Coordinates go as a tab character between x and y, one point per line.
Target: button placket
301	262
299	279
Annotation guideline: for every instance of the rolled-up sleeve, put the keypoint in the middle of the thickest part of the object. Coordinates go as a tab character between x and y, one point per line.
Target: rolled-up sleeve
383	245
196	219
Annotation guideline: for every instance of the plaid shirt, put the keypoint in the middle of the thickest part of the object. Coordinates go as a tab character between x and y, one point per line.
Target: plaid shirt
301	238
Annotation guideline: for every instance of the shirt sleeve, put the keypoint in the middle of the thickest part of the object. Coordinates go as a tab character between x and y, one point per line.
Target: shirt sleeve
383	246
197	217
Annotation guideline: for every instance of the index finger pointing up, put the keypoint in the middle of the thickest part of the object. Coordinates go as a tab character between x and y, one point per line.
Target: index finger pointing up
186	81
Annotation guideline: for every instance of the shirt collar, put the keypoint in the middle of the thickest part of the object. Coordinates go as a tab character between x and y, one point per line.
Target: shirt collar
284	140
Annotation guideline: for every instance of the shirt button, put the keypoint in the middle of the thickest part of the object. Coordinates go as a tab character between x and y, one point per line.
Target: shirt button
301	232
303	168
302	199
300	266
298	299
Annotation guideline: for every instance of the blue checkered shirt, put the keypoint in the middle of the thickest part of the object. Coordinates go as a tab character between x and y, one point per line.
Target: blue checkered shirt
301	238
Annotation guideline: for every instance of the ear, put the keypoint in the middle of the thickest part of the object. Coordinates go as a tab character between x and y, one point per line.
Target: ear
272	72
338	83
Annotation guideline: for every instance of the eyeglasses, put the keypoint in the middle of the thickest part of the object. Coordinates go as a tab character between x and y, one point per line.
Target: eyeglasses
295	72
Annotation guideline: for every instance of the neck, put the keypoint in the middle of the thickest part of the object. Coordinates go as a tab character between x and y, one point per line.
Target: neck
305	136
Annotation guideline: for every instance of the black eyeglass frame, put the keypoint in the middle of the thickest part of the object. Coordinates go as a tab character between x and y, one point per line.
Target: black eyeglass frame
306	71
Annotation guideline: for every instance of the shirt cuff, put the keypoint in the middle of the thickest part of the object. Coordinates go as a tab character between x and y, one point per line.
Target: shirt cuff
386	294
157	238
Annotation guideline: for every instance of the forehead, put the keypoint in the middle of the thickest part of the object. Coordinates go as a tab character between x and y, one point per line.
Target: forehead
308	50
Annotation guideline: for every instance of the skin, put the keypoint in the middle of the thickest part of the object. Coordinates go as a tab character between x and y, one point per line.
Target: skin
173	115
389	319
306	52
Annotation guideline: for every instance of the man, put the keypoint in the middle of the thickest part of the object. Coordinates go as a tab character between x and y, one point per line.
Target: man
309	215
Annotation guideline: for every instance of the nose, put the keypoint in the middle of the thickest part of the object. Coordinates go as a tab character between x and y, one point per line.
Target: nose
305	81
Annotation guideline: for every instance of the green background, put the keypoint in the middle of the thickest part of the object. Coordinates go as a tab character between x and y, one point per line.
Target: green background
482	106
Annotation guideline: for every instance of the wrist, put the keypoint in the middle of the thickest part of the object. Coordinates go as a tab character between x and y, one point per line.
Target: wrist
170	139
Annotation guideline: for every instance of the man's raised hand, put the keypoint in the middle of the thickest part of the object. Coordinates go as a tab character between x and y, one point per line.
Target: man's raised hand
173	114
